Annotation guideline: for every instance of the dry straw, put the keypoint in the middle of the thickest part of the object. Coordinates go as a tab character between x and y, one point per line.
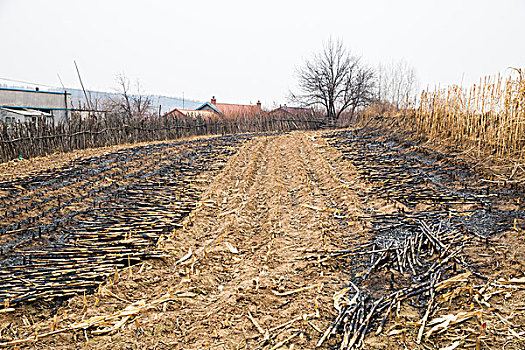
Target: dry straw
487	118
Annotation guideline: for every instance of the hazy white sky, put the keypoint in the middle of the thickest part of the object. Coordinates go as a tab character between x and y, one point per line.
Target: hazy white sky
243	51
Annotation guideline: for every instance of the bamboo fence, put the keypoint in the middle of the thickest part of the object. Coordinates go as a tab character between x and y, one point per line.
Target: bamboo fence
40	138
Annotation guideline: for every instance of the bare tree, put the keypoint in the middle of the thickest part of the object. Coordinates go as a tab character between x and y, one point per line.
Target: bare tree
397	83
130	104
143	105
335	80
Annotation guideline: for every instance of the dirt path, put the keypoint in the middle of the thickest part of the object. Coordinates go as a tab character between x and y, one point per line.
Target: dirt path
268	208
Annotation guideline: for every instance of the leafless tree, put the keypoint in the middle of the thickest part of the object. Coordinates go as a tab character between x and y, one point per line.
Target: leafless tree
335	80
131	104
397	83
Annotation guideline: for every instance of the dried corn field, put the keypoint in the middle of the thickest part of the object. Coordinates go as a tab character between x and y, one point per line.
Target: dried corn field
487	119
347	239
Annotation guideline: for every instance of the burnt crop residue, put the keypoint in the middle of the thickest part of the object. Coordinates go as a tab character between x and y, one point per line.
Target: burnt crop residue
421	211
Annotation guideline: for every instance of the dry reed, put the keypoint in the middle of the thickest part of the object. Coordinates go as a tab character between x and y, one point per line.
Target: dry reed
487	118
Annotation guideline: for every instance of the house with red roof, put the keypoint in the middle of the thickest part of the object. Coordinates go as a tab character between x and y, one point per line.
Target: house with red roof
229	110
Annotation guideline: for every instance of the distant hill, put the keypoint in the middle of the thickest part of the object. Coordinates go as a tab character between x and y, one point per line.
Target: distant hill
166	103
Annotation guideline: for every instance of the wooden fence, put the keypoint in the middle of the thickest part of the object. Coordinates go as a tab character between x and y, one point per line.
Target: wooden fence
39	138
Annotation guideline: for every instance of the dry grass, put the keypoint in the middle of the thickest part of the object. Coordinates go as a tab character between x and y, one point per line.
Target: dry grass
488	117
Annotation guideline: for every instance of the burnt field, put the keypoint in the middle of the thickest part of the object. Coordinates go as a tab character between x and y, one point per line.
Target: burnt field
339	239
427	218
65	230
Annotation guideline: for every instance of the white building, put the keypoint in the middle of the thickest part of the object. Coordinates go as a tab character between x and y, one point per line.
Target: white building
21	105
